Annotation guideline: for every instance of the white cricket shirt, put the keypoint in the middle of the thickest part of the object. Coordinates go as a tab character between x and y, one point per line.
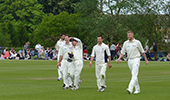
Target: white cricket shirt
100	51
59	44
78	50
133	49
65	49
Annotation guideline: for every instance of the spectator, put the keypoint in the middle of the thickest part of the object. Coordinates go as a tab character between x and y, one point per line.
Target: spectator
5	50
50	54
155	51
84	47
118	53
85	57
38	46
119	47
147	55
13	55
168	57
47	49
6	54
28	50
28	45
18	55
54	51
113	52
27	57
46	56
25	48
22	56
11	51
55	56
41	53
0	51
32	52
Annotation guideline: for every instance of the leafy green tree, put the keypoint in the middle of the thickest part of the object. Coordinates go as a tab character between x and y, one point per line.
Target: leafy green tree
153	23
48	32
19	18
57	6
5	39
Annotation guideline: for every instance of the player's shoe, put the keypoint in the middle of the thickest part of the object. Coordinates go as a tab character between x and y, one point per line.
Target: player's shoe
64	85
59	79
102	89
70	85
79	82
136	92
129	91
65	88
74	88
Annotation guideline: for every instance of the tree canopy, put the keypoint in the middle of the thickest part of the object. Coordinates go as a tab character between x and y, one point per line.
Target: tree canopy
44	20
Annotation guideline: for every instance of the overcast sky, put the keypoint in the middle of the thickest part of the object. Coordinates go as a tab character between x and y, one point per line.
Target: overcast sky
160	6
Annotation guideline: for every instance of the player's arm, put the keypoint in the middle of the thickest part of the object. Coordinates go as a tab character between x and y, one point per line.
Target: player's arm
108	54
92	57
121	55
91	60
146	60
143	52
59	62
60	58
57	47
79	42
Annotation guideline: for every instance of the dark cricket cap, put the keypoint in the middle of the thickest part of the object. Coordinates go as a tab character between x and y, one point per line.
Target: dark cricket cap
73	40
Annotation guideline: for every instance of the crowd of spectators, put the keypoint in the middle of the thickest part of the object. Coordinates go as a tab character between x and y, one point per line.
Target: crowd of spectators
39	52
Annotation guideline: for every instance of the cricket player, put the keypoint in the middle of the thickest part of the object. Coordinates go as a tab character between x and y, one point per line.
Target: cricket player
58	45
133	48
77	50
64	61
99	51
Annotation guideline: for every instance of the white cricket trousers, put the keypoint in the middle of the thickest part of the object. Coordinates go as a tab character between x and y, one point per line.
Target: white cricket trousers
59	70
64	69
134	68
78	66
101	70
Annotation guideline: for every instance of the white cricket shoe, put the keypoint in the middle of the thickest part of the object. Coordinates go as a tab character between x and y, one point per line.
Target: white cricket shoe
74	88
65	88
129	91
136	92
102	89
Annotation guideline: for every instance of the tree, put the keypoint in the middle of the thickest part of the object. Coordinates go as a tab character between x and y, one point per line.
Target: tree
19	19
57	6
5	40
53	25
152	21
93	21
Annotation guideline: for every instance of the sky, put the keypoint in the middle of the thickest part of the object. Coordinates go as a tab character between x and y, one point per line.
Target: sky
153	3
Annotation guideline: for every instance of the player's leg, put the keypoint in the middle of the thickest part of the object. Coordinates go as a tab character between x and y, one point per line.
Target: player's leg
98	75
137	87
71	74
130	88
60	76
65	74
103	74
78	68
134	64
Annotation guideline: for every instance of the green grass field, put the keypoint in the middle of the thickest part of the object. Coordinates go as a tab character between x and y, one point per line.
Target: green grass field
37	80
